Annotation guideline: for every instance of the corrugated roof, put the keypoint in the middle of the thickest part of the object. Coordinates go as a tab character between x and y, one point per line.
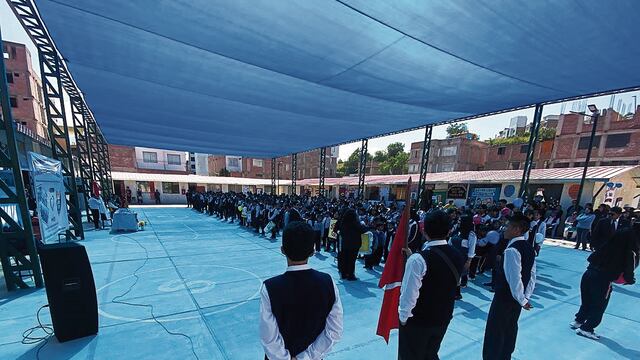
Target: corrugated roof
596	173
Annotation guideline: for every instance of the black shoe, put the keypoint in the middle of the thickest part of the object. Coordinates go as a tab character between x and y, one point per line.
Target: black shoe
352	278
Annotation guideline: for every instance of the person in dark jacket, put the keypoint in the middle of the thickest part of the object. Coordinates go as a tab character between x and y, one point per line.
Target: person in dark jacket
607	226
350	233
616	260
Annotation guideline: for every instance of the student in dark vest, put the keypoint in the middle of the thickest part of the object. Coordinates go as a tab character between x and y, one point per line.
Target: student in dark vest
465	242
514	284
429	288
300	310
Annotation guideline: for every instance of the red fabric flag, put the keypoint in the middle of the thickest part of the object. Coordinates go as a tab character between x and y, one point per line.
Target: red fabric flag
391	279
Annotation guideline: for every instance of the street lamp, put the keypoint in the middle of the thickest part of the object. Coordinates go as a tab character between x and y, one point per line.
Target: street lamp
594	124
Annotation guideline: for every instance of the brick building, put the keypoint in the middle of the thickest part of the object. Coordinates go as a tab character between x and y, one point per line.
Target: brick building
308	165
617	140
147	160
513	156
25	89
456	154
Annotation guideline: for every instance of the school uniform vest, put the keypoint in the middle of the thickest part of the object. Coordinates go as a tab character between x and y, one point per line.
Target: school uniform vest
438	291
460	244
300	302
527	256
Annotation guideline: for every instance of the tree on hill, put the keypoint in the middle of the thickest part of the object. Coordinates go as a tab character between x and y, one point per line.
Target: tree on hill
224	172
457	129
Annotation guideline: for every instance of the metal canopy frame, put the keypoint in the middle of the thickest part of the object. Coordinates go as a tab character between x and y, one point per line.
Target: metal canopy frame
273	176
323	165
294	172
17	246
362	168
83	151
59	135
534	136
424	163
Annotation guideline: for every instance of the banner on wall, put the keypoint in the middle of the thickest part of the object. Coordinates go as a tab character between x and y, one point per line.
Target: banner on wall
457	191
48	187
483	194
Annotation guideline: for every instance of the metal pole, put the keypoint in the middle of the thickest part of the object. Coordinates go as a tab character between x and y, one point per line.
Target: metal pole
273	176
323	164
534	135
294	173
17	234
362	168
594	119
424	163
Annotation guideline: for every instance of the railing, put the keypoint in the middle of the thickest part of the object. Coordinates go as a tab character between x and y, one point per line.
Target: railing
161	165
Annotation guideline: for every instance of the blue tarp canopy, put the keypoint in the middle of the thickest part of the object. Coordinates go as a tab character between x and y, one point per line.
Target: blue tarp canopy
273	77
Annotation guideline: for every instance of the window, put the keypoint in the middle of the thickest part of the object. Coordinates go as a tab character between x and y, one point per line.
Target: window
173	159
233	162
13	101
258	162
501	150
584	142
449	151
149	157
446	167
144	186
10	78
617	140
171	188
515	165
524	149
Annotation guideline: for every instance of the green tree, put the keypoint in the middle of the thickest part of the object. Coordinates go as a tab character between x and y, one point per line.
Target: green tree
379	156
457	129
224	172
353	162
394	149
395	165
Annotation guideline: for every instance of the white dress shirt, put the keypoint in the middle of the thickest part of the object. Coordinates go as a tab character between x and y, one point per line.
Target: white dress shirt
512	267
414	272
272	340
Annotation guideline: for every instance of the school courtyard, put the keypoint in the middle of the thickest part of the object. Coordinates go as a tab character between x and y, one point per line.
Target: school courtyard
223	267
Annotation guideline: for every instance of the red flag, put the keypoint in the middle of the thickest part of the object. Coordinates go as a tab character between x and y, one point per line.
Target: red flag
391	278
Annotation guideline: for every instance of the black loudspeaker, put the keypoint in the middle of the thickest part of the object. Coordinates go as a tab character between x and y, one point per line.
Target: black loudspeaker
70	289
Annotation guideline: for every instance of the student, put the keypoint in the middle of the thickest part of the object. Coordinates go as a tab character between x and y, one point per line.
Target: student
616	260
300	310
514	284
428	293
465	242
95	203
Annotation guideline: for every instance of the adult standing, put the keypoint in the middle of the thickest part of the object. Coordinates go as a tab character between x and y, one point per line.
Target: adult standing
139	196
156	195
350	233
605	228
615	261
128	194
583	227
514	284
94	206
429	285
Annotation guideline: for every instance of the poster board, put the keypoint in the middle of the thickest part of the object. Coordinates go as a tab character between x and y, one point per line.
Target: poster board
332	234
49	191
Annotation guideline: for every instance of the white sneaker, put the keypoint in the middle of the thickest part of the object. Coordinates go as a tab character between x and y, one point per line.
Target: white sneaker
588	334
575	325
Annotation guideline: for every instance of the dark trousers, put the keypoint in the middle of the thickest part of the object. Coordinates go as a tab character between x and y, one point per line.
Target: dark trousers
347	258
595	292
502	329
582	237
95	214
325	239
317	240
374	258
418	342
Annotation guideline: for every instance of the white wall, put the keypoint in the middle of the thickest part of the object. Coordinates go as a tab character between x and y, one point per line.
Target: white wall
162	163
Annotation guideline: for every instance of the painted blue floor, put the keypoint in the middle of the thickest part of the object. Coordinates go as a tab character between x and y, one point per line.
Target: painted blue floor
224	267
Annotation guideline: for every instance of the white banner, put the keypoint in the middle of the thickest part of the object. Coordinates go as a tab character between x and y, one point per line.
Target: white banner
48	187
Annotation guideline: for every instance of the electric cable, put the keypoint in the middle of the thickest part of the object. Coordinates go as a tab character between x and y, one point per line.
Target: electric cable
29	339
116	299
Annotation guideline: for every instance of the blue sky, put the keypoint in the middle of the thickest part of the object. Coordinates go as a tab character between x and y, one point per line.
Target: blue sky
486	127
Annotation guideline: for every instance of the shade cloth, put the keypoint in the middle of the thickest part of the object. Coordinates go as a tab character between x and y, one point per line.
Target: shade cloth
269	77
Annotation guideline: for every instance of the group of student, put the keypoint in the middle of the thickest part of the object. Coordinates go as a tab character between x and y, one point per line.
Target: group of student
447	246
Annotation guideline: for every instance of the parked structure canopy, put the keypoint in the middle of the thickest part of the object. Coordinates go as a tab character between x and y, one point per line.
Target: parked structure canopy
269	78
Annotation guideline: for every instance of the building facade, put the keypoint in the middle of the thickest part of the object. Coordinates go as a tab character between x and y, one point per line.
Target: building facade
616	142
25	89
446	155
513	156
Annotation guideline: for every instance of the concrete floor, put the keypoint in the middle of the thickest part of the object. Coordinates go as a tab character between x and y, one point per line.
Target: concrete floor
224	267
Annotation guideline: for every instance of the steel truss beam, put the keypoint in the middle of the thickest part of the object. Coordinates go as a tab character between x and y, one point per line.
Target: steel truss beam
273	176
534	137
17	246
323	165
27	14
59	135
362	168
424	164
294	172
83	151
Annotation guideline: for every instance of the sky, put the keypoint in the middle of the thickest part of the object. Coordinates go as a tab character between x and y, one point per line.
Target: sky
486	127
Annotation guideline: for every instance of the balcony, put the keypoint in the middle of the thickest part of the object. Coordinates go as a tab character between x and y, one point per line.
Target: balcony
160	165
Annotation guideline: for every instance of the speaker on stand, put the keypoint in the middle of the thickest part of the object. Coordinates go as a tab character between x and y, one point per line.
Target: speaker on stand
71	290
